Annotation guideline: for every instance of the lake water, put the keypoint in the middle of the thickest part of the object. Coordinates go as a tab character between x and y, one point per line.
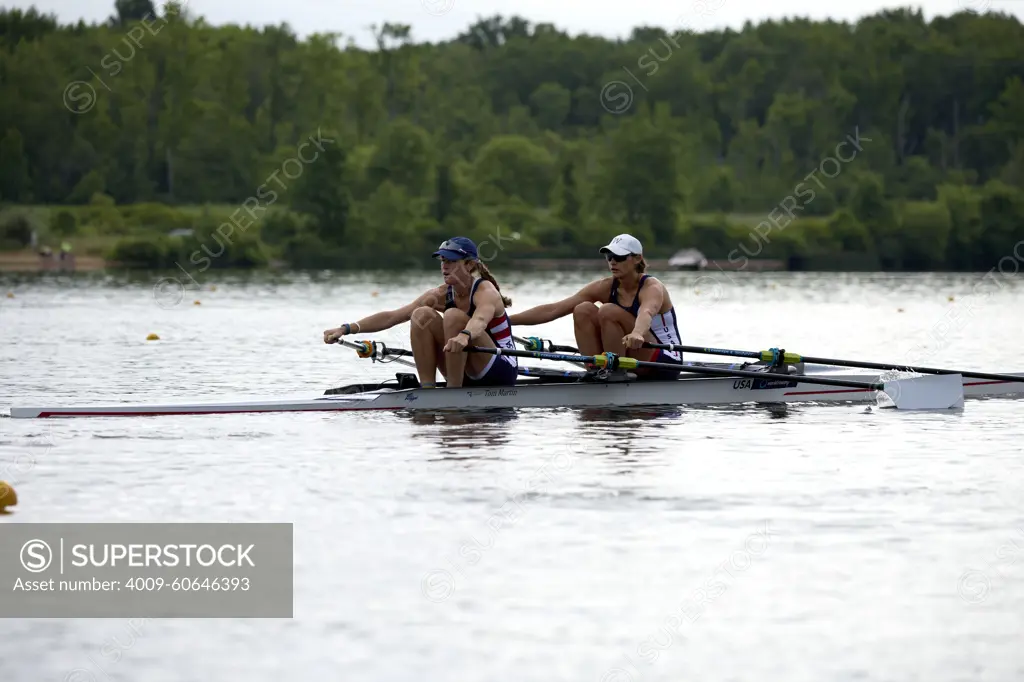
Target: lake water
808	544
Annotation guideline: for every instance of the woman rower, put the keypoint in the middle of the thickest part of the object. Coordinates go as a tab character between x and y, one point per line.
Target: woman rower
636	308
468	308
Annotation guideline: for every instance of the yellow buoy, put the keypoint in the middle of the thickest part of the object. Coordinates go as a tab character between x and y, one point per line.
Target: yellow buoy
10	294
152	337
196	303
213	287
375	294
951	298
8	498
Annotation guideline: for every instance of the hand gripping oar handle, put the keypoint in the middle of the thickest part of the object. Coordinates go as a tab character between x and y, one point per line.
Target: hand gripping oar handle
792	358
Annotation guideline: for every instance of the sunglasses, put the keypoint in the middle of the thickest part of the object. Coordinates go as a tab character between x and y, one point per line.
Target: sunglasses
613	257
452	246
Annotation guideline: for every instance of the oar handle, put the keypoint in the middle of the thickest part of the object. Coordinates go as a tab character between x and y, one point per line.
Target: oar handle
537	343
773	355
369	349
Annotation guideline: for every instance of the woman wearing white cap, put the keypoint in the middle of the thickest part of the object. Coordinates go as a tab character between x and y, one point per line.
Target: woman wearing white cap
635	308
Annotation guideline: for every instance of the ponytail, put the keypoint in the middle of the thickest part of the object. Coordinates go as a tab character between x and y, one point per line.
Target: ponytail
486	274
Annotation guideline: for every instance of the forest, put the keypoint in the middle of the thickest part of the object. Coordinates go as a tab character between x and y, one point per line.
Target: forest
893	143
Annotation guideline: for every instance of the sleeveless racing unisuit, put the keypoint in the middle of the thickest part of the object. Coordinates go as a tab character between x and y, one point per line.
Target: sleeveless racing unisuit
663	325
498	328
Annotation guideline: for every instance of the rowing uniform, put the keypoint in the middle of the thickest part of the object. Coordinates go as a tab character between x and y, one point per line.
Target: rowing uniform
663	327
501	370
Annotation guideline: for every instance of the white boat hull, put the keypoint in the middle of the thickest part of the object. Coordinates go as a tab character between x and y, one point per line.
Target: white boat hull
685	391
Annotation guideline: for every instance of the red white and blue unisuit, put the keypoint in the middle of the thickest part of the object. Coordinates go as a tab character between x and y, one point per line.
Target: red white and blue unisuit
501	370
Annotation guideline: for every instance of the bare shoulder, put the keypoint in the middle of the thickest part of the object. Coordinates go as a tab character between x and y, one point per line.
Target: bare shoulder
434	297
598	289
486	290
485	285
653	285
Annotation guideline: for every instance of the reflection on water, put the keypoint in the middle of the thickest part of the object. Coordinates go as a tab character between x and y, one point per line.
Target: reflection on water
463	430
624	414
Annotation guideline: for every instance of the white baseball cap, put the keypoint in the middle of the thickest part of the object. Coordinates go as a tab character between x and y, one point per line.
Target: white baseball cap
623	245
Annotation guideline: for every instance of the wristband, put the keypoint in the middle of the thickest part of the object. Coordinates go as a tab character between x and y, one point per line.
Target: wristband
466	333
348	328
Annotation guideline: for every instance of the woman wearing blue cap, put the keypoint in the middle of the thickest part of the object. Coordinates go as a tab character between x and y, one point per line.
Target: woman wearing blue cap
468	309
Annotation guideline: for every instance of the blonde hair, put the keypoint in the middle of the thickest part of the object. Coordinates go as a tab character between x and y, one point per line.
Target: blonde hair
486	274
641	267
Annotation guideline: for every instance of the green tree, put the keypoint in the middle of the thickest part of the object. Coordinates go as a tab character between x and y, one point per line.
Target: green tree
513	166
129	11
550	104
870	207
92	183
925	229
15	181
641	185
323	191
405	157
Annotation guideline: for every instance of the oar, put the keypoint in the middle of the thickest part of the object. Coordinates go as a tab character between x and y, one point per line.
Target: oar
537	343
369	349
792	358
918	393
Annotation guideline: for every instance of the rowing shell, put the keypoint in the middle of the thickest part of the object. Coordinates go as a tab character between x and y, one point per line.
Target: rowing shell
536	393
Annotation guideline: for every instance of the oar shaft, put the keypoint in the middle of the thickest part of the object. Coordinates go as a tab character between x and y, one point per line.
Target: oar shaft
537	343
370	350
704	351
632	363
793	358
918	370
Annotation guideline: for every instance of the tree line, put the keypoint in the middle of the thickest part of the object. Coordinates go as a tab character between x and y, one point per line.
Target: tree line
909	134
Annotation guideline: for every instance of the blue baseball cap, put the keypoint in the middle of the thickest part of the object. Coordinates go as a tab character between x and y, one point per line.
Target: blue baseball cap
457	248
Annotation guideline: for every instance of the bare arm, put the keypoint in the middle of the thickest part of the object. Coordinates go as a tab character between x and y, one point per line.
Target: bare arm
593	292
487	299
387	319
652	297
